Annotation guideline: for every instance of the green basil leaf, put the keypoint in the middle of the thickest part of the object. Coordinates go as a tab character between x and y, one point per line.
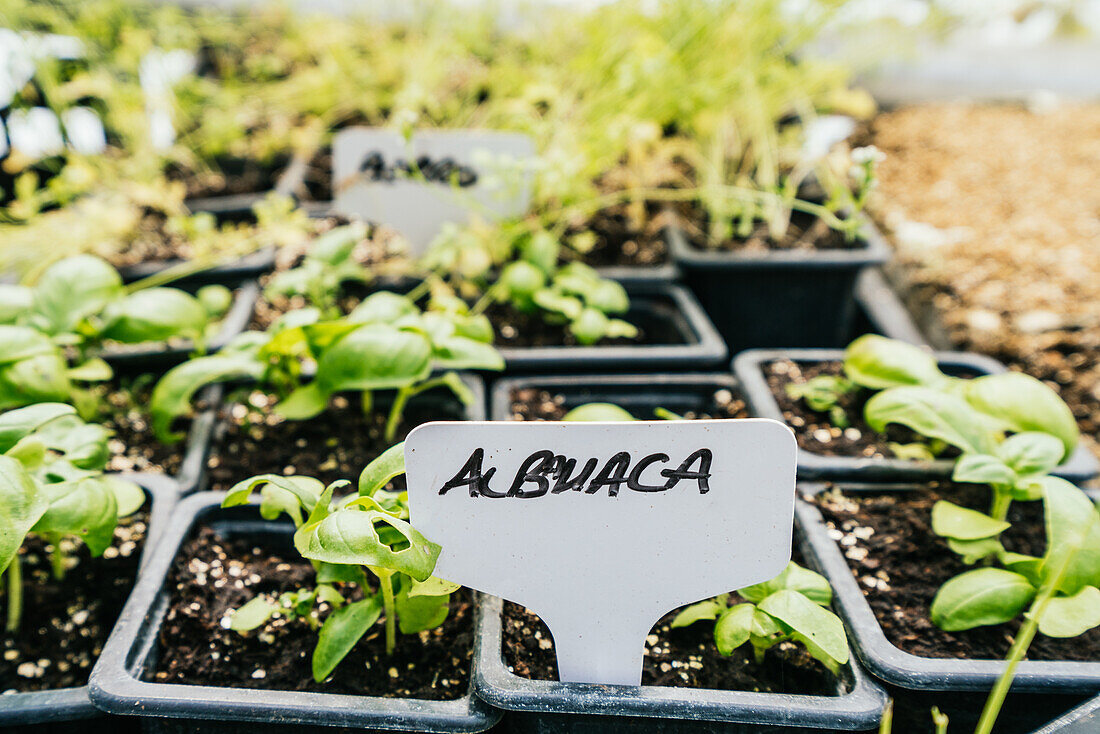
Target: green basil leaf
129	497
733	628
541	250
1024	403
933	414
173	393
253	614
951	521
878	363
433	586
590	326
40	379
279	494
463	353
1027	566
336	246
93	370
153	315
608	296
814	626
1072	525
350	536
973	551
984	596
984	469
813	586
1070	616
418	613
1031	452
20	342
598	413
22	504
341	573
382	307
71	290
305	401
520	280
86	508
706	610
16	424
15	300
82	444
374	357
341	632
568	306
378	473
215	300
619	329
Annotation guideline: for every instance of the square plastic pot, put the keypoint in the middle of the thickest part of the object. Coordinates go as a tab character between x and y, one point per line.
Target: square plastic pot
641	274
699	348
119	685
71	709
1085	719
902	669
781	298
748	367
235	321
550	706
638	394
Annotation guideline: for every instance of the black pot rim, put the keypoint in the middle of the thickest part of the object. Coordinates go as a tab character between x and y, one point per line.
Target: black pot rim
903	669
117	688
1085	719
886	312
748	366
860	708
73	704
874	251
704	347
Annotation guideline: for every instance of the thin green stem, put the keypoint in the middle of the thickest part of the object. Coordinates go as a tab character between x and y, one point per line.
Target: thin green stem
57	557
940	720
15	594
366	399
483	303
1002	500
402	398
886	724
389	608
420	290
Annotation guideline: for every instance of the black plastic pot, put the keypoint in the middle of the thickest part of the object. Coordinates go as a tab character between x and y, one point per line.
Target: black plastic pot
119	682
903	669
550	706
45	712
248	267
208	430
153	358
1085	719
748	367
880	311
638	394
652	307
641	274
782	298
238	207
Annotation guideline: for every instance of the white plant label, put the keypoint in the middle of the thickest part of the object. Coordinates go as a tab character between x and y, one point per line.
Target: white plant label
602	528
435	178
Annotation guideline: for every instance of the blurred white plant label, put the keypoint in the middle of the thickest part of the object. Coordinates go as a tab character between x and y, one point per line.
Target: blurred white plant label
602	528
436	177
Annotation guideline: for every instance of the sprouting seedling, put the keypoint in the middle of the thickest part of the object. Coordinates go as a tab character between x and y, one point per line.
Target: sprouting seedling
368	530
33	369
791	607
329	264
52	484
81	301
385	343
822	394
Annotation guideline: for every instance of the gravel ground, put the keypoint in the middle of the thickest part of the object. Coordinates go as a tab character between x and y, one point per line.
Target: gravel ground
995	212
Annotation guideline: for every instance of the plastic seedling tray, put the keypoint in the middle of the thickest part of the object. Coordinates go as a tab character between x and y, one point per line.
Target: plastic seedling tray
153	358
699	348
748	367
781	298
903	669
119	682
59	709
550	706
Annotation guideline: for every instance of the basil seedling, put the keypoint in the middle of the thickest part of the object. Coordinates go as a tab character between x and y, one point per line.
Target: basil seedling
367	530
791	607
822	393
386	342
52	484
995	595
81	301
33	369
329	264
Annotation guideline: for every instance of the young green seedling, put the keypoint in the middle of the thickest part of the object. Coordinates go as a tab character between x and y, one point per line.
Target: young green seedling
52	484
33	369
791	607
823	393
368	530
386	342
329	264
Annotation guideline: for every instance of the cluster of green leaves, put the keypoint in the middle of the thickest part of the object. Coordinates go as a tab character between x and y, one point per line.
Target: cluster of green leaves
791	607
81	301
329	264
366	530
823	394
995	594
385	343
52	483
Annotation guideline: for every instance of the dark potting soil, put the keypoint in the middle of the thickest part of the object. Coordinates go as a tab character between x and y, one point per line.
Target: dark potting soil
619	241
251	439
124	408
532	404
516	329
317	179
231	175
805	232
152	242
65	623
684	658
213	576
815	431
900	564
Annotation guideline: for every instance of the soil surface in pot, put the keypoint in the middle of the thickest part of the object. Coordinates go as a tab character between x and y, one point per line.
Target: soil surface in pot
620	242
124	408
517	329
66	623
900	564
251	439
816	432
533	404
231	175
805	232
213	576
